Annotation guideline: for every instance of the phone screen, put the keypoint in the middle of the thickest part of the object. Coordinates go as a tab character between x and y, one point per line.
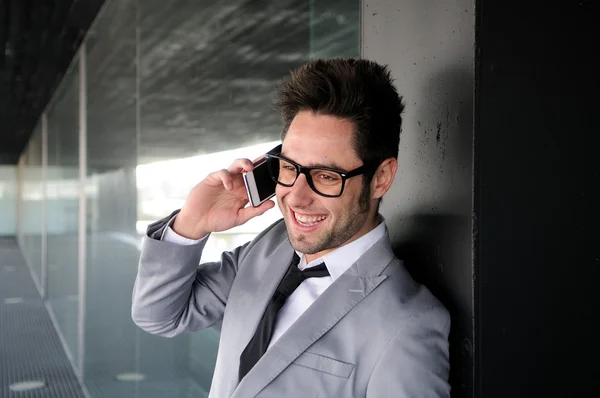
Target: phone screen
264	183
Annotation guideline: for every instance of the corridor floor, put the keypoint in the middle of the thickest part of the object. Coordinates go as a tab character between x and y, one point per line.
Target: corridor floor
30	349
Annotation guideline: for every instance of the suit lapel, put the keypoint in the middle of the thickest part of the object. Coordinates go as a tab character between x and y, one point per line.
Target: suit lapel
340	298
278	264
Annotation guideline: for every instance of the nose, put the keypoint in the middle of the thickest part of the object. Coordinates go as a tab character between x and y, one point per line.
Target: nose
300	193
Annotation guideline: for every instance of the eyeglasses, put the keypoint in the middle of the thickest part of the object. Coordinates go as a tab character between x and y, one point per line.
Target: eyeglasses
325	181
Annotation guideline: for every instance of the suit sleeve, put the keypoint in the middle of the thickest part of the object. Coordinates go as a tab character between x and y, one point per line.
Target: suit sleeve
173	293
415	362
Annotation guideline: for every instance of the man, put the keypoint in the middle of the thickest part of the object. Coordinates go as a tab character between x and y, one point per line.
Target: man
317	305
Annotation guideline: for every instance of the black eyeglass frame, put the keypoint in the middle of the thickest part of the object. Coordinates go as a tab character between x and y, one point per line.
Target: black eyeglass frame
306	171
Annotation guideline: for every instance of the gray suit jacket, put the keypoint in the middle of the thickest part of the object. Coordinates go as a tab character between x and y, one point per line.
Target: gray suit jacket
373	333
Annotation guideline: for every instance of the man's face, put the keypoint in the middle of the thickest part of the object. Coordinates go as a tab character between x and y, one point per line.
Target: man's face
316	224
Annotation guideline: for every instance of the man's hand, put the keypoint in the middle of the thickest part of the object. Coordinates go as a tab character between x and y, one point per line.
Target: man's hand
218	203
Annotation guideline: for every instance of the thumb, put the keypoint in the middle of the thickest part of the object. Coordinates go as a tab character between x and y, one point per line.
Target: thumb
250	212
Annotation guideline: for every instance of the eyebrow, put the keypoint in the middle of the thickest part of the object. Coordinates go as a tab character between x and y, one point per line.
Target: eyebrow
329	165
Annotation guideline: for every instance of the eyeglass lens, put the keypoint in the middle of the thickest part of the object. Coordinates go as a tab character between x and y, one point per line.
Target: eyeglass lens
326	182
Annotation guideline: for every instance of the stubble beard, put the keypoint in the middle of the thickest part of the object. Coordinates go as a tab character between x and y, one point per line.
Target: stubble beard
347	227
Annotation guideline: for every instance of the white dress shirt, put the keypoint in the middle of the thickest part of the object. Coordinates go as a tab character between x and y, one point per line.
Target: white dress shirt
337	262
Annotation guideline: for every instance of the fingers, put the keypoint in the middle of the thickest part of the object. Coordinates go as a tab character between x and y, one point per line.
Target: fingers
224	177
229	177
250	212
241	165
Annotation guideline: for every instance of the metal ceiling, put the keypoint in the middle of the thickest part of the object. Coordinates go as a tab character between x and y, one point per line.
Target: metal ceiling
205	80
38	39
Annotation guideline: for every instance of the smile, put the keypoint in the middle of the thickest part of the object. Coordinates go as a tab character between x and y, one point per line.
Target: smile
308	220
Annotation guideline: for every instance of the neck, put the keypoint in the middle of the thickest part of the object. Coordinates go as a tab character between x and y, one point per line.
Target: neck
367	227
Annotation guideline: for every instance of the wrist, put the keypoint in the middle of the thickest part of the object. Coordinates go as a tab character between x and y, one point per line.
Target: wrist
188	227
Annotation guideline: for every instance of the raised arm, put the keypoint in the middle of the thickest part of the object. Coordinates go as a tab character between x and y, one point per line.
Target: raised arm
172	292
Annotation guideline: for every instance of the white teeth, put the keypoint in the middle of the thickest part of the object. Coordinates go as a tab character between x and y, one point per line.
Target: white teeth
305	220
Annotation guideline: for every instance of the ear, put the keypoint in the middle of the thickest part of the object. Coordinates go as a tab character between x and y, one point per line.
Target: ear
383	178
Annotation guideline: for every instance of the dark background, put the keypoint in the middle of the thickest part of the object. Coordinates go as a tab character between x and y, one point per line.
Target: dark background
38	39
536	176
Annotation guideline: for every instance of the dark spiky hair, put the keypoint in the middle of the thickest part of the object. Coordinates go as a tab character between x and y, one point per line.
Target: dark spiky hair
358	90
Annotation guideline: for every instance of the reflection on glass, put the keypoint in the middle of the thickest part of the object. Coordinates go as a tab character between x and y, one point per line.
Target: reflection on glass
8	200
163	187
31	202
62	207
334	28
111	340
175	90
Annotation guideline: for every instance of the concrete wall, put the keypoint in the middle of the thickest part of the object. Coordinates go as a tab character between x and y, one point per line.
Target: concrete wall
429	46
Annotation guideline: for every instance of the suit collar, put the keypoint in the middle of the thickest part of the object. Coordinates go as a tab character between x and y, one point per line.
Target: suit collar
341	259
375	259
340	298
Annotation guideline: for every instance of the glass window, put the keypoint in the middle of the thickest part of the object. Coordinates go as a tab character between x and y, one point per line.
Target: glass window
62	207
175	90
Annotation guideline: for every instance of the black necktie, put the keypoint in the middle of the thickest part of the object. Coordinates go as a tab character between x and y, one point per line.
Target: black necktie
260	341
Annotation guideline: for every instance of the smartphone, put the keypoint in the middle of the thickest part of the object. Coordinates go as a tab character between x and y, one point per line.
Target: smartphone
259	183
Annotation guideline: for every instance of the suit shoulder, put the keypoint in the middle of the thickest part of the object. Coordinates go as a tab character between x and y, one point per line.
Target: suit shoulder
270	238
414	300
276	233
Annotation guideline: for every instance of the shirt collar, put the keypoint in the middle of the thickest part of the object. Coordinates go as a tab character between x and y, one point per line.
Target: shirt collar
339	260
